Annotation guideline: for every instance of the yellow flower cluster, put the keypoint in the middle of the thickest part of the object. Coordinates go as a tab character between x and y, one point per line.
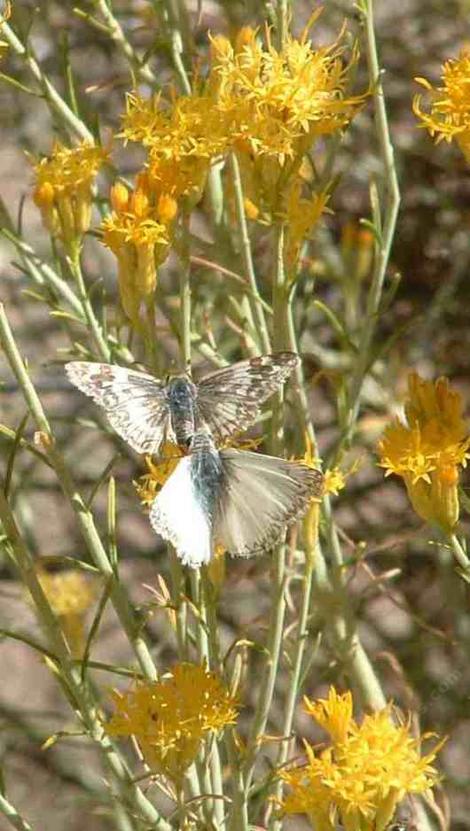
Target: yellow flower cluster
181	138
70	594
139	232
362	776
428	449
63	189
449	114
278	101
151	482
171	717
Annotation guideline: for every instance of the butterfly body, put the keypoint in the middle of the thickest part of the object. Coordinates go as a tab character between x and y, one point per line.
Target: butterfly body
181	397
207	473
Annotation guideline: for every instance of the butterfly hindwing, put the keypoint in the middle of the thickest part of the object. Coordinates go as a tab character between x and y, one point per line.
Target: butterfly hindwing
229	399
263	495
135	403
189	530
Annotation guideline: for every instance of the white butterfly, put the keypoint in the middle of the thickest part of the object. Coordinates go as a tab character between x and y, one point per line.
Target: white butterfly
146	411
242	500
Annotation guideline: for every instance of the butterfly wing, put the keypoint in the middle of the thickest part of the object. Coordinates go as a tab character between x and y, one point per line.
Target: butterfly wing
180	518
229	399
135	403
262	496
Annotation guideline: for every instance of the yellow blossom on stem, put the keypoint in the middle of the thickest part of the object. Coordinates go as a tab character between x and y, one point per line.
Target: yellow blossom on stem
428	449
148	485
357	249
63	189
281	98
181	136
70	594
362	776
448	117
170	718
301	216
275	103
139	233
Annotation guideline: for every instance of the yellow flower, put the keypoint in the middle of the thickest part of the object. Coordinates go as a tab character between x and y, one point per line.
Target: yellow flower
281	99
275	103
357	249
427	450
148	485
139	233
70	594
301	215
449	114
334	713
63	189
171	717
181	137
363	775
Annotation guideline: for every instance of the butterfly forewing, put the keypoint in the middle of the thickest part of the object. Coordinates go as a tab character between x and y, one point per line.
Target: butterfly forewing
134	402
141	411
263	495
229	400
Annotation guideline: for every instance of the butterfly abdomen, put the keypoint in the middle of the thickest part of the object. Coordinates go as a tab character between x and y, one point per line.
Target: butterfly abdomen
181	395
207	473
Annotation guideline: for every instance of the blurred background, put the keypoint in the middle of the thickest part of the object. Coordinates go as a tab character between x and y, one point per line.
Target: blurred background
416	623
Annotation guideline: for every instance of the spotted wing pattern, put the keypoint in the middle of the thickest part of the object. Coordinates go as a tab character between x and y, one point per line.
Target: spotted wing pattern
229	400
134	402
262	496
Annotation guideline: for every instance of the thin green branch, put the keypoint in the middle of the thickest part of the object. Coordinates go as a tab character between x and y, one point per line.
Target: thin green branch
79	693
83	515
140	69
96	329
388	222
51	96
254	296
12	816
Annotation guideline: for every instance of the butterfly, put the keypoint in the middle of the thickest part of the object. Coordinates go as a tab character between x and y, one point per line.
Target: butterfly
241	500
146	411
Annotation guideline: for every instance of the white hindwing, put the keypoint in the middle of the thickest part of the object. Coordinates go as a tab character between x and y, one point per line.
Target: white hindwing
179	518
262	496
134	402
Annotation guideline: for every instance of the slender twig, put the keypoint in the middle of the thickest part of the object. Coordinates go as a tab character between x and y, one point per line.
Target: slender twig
84	516
80	694
301	638
388	224
254	296
51	96
96	329
185	296
141	70
460	556
11	814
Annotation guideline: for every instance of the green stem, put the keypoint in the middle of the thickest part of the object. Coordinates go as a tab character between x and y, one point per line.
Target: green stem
79	693
102	347
294	685
116	32
460	555
52	97
83	514
254	296
185	297
389	223
11	814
